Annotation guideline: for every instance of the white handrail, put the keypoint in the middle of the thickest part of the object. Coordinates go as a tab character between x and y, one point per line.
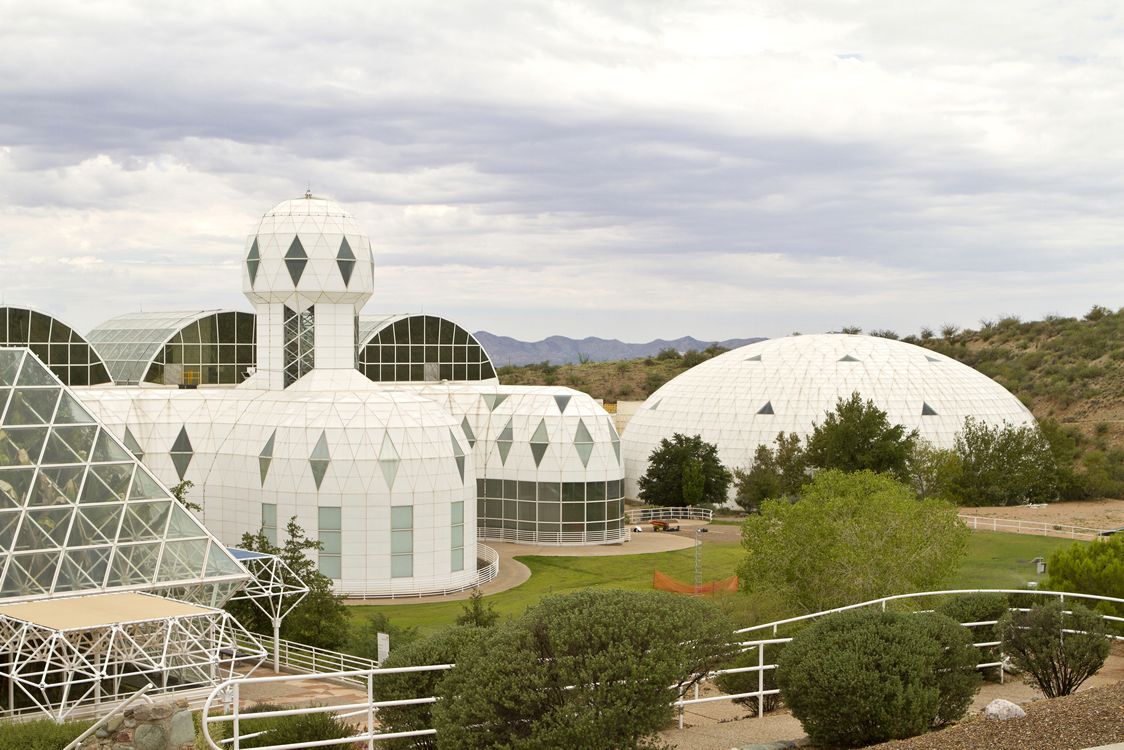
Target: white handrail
690	513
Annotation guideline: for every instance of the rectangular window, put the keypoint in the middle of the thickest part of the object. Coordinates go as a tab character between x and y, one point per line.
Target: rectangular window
457	543
330	533
269	522
402	541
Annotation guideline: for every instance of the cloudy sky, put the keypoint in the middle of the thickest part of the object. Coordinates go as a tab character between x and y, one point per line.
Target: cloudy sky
630	170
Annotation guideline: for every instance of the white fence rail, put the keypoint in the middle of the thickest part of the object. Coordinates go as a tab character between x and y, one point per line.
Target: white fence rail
298	657
557	538
412	588
1038	528
647	515
229	690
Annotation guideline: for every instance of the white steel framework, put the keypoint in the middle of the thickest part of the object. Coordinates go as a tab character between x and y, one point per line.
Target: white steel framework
56	669
272	590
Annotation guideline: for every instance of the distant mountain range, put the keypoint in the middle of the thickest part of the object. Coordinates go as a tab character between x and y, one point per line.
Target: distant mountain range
505	350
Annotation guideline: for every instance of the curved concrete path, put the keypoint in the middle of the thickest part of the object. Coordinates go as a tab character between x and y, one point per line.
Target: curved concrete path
512	572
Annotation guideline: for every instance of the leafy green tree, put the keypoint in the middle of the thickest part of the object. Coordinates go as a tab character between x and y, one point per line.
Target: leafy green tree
364	637
668	353
179	492
851	538
1056	661
858	436
1096	569
866	676
776	472
1008	465
476	613
684	471
321	618
584	671
932	470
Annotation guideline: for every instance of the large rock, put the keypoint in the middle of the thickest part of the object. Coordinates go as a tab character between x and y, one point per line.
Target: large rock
183	731
1003	710
152	737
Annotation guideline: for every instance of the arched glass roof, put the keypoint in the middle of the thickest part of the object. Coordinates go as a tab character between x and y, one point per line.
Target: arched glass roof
60	347
419	348
211	347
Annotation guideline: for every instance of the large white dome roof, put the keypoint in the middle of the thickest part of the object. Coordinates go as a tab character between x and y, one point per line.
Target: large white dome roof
743	398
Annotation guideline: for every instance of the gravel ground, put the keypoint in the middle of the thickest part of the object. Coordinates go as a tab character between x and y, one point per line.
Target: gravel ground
1087	719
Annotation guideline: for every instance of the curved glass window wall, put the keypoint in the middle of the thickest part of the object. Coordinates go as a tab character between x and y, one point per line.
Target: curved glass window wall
556	513
419	348
60	347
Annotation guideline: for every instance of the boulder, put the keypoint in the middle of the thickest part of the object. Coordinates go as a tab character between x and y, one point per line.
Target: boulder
1003	710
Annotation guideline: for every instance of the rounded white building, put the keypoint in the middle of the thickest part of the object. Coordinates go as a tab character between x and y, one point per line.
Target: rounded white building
744	398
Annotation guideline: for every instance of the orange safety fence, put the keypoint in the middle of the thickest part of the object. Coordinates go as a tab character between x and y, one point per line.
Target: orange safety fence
667	583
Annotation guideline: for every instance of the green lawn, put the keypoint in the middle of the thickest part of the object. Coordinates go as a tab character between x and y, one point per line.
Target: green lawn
992	562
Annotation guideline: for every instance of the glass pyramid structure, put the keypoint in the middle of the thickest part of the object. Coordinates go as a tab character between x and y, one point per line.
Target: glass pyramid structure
79	513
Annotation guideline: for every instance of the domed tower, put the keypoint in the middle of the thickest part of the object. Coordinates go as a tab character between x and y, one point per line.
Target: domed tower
308	271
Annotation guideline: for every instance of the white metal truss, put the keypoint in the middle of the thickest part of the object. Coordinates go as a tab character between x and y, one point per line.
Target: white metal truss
56	670
272	590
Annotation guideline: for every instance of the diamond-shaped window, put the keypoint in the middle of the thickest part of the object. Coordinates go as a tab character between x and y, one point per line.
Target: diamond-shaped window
320	459
583	442
467	429
132	444
345	259
295	260
540	441
503	442
182	453
266	457
615	438
458	453
253	260
388	460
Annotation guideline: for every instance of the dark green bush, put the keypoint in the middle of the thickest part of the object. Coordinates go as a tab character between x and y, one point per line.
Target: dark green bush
1057	663
979	607
444	647
747	682
284	730
866	676
39	734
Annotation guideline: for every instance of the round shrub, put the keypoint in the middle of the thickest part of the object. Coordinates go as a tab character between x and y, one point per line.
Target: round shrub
979	606
1057	663
865	676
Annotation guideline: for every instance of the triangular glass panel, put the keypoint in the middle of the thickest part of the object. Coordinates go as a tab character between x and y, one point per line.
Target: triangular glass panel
457	450
82	570
507	433
563	402
265	458
656	405
44	528
320	452
144	487
183	525
34	373
931	359
106	484
21	446
389	471
58	452
615	438
8	523
584	452
345	259
754	358
134	564
582	435
14	484
388	451
29	575
767	408
108	449
183	443
494	399
32	406
144	521
9	365
319	469
71	412
252	262
57	485
131	443
538	450
467	429
927	411
267	451
295	260
181	461
95	524
460	466
540	435
219	563
847	358
505	448
182	560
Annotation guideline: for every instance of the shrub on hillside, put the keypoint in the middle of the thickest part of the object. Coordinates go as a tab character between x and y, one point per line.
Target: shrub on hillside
865	676
1056	662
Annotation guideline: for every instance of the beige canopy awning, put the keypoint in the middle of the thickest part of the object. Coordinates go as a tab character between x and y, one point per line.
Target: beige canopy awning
100	610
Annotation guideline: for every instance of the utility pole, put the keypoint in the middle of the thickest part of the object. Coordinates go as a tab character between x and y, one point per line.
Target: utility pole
698	556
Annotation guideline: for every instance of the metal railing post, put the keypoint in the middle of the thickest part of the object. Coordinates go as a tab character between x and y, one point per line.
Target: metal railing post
760	681
236	704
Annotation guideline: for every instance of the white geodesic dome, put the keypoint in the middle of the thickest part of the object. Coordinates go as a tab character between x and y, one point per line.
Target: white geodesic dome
744	398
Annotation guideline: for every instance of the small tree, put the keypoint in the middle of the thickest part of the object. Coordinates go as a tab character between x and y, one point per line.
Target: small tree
932	470
684	471
866	676
851	538
1008	465
583	671
779	472
1096	569
1057	662
476	613
858	436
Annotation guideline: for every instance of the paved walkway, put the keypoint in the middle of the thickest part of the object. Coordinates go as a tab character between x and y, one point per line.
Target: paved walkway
512	572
